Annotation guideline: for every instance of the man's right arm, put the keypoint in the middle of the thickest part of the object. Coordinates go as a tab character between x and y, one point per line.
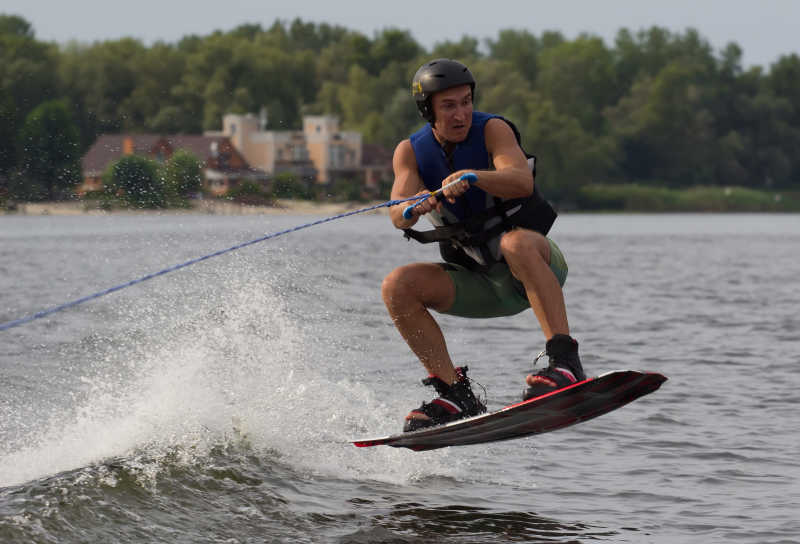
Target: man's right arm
407	183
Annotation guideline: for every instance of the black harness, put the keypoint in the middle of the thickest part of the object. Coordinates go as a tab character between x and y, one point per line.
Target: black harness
533	213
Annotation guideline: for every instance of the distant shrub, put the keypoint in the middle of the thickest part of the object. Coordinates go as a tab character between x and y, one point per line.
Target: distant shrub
346	190
136	181
251	193
22	187
625	197
696	199
287	185
183	174
727	199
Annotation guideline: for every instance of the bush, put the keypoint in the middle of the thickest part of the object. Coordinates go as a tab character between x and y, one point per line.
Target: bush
251	193
625	197
696	199
136	181
49	143
22	187
183	174
346	190
727	199
100	199
287	185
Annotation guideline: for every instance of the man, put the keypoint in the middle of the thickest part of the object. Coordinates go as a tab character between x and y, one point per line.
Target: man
491	235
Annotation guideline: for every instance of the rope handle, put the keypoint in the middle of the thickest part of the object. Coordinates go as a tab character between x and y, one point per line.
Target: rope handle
471	177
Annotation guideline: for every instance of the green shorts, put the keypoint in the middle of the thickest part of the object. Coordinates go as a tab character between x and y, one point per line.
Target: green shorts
495	292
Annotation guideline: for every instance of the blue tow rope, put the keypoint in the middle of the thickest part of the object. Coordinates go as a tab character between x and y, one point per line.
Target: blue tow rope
76	302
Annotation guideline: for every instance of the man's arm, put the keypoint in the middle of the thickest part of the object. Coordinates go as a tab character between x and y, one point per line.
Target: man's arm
512	176
407	183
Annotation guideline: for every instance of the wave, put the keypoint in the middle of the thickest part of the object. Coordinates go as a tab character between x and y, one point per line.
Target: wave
191	376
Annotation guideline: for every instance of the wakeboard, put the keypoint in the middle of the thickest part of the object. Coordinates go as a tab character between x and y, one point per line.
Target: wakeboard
552	411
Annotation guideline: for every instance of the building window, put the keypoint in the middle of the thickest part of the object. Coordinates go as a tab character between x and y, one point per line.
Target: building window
299	153
337	156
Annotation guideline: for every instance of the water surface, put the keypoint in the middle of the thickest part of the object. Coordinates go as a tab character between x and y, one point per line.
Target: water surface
214	404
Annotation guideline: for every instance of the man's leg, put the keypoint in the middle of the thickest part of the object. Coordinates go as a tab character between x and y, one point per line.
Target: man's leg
528	256
408	292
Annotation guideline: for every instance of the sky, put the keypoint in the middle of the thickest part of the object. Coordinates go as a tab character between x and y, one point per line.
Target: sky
764	29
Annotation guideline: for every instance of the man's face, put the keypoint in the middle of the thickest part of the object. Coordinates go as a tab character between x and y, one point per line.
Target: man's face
452	109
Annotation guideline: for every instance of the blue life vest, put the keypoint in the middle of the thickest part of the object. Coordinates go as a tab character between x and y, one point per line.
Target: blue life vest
434	165
469	230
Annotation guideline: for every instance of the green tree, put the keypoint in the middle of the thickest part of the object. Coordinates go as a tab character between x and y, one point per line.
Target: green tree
502	90
335	61
392	46
288	185
152	104
250	193
313	37
229	73
398	119
783	82
183	174
356	98
49	145
666	129
8	155
346	190
520	49
27	78
656	105
136	181
464	50
380	107
102	77
649	51
568	157
15	25
579	78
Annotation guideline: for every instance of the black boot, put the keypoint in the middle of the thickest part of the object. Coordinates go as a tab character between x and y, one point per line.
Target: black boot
564	369
455	401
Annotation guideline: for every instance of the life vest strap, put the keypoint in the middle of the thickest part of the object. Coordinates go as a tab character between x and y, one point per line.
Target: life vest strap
471	231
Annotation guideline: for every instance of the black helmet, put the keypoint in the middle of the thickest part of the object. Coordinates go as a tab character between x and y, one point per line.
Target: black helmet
438	75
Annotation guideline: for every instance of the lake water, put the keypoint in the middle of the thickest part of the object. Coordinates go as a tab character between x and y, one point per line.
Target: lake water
214	404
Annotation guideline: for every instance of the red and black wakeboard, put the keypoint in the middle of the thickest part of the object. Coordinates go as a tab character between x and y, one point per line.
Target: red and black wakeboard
562	408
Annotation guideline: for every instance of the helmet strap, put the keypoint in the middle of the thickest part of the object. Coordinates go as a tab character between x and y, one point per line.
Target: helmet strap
429	116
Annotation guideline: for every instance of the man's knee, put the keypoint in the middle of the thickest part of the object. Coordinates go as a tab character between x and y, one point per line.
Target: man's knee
425	283
396	284
406	281
524	244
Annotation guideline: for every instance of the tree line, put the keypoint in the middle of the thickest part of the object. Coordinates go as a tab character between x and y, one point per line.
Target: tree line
656	107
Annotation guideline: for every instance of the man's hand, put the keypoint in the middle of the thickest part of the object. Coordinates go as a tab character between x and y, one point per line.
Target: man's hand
427	205
453	187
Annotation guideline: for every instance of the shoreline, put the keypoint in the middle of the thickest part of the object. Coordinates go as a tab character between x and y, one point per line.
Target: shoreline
309	207
199	207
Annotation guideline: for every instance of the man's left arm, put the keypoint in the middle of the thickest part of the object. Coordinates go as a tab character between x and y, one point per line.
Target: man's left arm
511	177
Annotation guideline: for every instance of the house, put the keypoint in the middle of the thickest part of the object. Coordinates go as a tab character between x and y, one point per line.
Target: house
376	162
245	150
320	151
223	165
